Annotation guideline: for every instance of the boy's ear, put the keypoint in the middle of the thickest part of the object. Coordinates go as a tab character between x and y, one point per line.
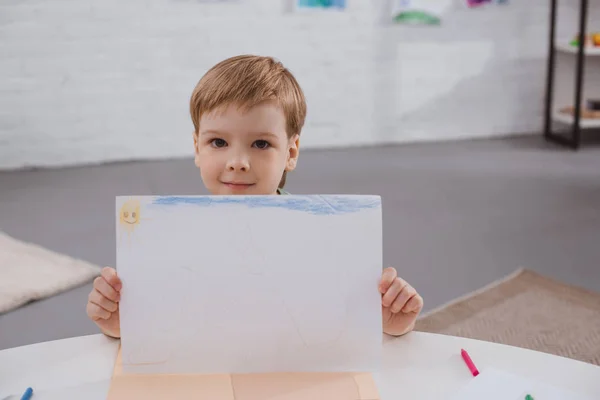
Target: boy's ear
293	153
196	155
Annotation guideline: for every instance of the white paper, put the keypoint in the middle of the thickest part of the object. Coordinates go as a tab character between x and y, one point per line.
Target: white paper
245	284
494	384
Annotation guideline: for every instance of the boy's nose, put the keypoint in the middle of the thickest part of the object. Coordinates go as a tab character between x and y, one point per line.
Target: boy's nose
239	164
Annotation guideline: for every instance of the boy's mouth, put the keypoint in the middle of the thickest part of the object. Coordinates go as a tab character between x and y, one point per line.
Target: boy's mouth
237	185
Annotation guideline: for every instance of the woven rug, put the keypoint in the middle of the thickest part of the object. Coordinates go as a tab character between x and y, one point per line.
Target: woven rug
29	272
525	310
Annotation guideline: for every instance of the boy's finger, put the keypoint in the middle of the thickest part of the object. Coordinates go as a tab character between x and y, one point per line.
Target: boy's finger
404	296
392	293
98	299
95	312
387	278
110	275
105	289
415	304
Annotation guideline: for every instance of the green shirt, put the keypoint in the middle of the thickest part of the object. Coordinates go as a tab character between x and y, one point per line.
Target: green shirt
281	191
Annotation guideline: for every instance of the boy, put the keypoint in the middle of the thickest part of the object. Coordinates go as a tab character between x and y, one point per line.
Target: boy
248	112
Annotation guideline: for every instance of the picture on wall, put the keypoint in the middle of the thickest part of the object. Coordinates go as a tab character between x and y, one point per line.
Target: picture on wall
479	3
336	4
419	12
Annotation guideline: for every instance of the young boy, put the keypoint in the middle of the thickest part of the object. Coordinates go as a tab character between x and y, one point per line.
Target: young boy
248	112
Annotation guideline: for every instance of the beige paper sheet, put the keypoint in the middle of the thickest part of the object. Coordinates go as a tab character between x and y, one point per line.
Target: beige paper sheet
269	386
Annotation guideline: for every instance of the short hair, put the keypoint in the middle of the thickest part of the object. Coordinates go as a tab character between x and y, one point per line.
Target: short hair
248	80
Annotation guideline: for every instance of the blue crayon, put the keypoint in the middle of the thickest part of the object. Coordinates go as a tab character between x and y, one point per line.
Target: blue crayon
27	395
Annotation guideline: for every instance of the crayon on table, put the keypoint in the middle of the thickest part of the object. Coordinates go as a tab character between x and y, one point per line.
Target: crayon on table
469	362
27	395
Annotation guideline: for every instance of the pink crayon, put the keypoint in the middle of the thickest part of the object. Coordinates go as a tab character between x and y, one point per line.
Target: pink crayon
469	362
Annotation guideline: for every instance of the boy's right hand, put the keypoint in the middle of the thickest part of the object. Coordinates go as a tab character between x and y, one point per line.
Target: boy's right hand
103	302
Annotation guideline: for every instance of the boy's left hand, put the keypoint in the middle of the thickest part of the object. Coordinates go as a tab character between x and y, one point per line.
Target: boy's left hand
401	304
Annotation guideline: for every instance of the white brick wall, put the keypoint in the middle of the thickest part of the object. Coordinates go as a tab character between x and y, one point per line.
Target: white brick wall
90	81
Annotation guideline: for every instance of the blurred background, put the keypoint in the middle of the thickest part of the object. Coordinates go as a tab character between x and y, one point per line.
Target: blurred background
437	106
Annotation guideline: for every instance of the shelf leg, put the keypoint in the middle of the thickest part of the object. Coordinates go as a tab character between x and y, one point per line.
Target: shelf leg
583	8
550	70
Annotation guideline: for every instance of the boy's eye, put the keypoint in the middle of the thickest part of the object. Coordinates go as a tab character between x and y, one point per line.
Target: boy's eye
262	144
218	143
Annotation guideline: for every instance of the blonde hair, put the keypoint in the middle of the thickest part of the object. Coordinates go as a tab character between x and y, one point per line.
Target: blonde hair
247	81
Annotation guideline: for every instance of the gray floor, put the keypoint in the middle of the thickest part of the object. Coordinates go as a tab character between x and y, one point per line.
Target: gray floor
457	215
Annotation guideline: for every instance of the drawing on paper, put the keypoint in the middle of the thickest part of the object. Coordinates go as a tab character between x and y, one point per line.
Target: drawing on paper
129	215
129	218
317	205
299	273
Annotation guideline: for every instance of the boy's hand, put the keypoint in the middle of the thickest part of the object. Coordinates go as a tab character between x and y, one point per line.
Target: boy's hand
401	304
103	302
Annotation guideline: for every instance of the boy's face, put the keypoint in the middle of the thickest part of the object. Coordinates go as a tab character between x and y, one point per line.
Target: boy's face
244	152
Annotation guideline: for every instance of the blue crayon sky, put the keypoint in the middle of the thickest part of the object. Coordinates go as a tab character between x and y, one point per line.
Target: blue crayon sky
313	204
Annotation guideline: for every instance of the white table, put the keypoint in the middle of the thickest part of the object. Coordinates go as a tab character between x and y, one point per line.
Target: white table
416	366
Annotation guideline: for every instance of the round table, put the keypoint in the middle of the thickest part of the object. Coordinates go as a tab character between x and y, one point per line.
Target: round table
415	366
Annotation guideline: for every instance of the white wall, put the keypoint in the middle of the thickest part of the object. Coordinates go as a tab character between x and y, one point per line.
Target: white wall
89	81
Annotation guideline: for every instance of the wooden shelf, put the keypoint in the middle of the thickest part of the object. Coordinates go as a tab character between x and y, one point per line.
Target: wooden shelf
588	51
570	120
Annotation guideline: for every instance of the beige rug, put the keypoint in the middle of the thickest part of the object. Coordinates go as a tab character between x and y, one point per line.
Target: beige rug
526	310
29	272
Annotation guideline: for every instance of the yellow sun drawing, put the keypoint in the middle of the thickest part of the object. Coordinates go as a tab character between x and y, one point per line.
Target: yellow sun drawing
130	216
